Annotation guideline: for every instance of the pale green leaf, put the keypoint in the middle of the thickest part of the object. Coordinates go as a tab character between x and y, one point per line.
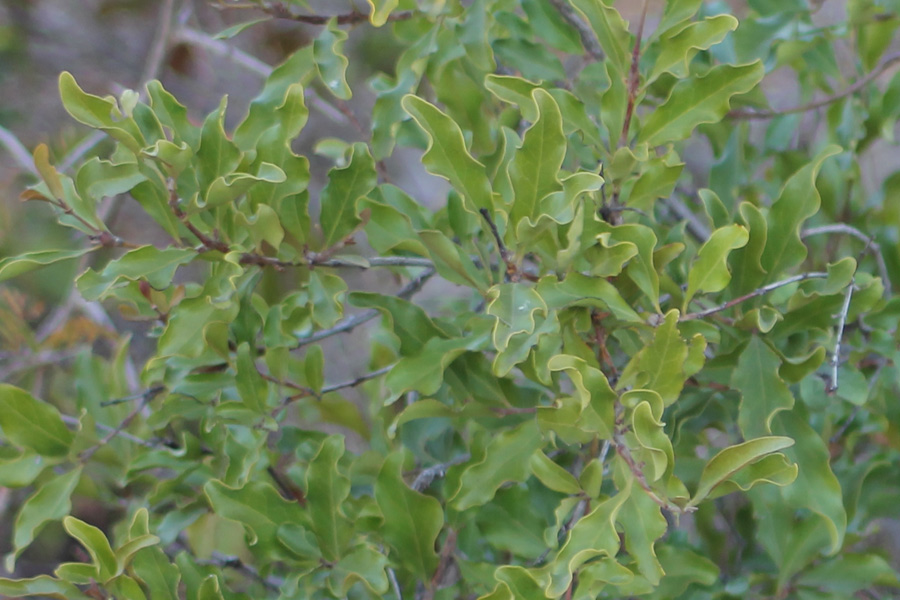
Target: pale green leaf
729	461
31	423
328	52
709	272
346	185
763	392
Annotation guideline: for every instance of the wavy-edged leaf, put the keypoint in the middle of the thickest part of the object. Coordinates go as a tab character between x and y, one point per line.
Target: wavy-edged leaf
13	266
328	52
346	185
709	272
326	490
42	585
534	170
381	10
701	100
97	546
99	113
502	462
412	521
763	392
677	51
447	155
798	200
729	461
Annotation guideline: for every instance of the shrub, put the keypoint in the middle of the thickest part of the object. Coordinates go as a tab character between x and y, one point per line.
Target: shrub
587	371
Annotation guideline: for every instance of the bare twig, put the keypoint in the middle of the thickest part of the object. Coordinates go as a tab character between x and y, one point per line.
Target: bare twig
836	357
356	381
145	395
395	585
279	11
18	151
695	226
75	422
426	476
145	398
871	246
356	320
160	42
883	66
34	361
378	261
588	38
757	292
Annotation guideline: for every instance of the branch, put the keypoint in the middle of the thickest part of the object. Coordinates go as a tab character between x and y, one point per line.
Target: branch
160	42
18	151
145	398
871	245
280	11
588	38
757	292
883	66
354	382
75	422
356	320
634	78
836	357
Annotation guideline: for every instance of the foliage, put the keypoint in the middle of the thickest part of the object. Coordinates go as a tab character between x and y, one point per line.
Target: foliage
595	372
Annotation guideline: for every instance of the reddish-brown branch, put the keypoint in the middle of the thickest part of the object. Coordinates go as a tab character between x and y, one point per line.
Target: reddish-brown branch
634	78
280	11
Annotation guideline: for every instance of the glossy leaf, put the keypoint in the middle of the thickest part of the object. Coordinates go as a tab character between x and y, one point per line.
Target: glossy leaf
345	187
328	52
709	273
326	490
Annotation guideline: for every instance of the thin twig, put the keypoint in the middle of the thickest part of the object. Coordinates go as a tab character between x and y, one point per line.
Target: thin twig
588	38
358	380
151	392
356	320
160	42
836	357
395	585
426	476
75	422
280	11
695	226
145	399
34	361
884	65
871	246
378	261
17	150
757	292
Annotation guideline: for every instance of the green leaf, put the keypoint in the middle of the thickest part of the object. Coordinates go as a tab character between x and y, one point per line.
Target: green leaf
210	589
408	321
640	268
99	113
50	502
42	585
381	10
644	524
593	390
763	392
154	569
13	266
849	574
610	29
552	475
95	542
344	188
774	469
31	423
412	521
230	32
798	200
659	366
364	564
447	155
514	306
452	262
701	100
257	506
502	463
534	170
326	490
731	460
328	53
709	273
746	265
173	115
677	51
580	290
592	536
217	156
155	266
816	487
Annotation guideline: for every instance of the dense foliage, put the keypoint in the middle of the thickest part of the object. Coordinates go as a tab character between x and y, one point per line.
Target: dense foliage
590	372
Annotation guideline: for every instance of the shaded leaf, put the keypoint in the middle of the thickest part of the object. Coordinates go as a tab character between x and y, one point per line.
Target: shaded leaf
31	423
